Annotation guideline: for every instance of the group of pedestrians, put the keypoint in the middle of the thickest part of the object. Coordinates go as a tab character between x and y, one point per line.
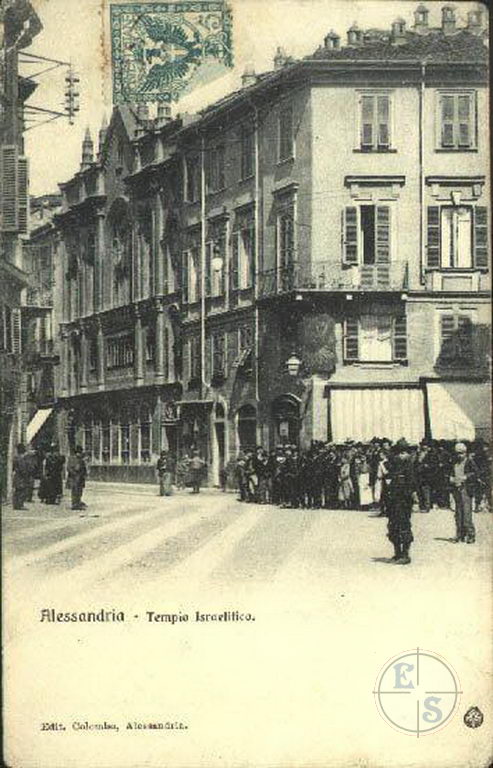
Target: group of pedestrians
187	471
50	469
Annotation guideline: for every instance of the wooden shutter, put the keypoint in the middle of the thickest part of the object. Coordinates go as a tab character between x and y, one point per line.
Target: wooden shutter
433	243
400	337
447	332
480	236
383	113
16	331
235	260
382	249
367	120
464	112
350	235
351	351
23	195
464	344
447	119
9	188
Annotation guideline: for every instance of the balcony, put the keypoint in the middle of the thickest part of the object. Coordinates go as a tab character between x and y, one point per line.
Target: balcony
37	298
332	277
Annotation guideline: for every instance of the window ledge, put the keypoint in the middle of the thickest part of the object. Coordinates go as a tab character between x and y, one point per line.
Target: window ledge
457	270
456	149
378	151
377	363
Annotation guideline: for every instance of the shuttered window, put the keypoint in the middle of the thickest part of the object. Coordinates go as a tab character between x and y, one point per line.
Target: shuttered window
16	331
456	339
457	120
14	191
350	235
367	235
286	132
351	339
195	358
375	121
247	152
457	237
219	355
375	338
243	251
400	337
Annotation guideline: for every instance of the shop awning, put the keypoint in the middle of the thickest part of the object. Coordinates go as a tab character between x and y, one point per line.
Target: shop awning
37	421
362	413
459	410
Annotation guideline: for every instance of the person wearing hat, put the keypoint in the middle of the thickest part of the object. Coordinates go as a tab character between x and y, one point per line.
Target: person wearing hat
165	468
463	483
77	473
197	467
401	494
21	478
53	475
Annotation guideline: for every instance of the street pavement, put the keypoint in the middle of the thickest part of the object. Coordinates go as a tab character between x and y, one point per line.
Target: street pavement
329	610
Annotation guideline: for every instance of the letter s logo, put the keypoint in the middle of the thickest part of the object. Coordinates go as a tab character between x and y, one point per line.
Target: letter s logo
435	714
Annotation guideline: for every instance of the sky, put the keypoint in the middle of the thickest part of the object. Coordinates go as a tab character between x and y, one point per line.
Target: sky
76	31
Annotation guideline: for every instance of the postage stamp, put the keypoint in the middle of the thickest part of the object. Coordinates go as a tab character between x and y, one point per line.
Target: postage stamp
161	51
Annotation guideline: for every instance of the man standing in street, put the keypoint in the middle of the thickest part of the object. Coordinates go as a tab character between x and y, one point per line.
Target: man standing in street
463	481
400	497
21	479
197	465
77	473
165	469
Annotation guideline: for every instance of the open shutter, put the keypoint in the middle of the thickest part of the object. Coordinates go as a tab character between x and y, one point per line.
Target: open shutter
23	195
447	334
382	250
367	121
235	261
350	235
465	339
433	243
184	275
351	351
480	236
447	119
383	121
400	337
16	331
9	188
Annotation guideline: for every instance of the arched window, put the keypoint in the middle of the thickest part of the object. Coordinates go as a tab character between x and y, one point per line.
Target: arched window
121	249
247	427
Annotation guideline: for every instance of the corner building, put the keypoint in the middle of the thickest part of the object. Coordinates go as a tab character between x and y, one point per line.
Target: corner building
307	258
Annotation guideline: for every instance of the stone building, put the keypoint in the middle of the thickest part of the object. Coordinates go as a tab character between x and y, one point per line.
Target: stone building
307	258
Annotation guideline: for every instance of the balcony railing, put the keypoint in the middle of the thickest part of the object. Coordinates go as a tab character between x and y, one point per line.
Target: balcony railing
329	276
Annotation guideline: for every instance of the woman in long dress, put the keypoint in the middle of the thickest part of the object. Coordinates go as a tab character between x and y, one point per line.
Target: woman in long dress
365	491
346	490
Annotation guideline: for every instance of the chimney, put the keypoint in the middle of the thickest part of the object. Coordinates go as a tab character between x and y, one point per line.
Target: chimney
248	77
354	35
280	58
332	41
474	22
421	19
87	151
398	32
163	115
448	20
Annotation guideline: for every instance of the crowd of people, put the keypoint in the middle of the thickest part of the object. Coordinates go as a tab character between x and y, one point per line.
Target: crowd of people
49	468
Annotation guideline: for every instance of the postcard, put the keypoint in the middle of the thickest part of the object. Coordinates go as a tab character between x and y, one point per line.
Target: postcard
245	377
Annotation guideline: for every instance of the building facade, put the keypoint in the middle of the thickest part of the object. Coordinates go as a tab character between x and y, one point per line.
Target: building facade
307	258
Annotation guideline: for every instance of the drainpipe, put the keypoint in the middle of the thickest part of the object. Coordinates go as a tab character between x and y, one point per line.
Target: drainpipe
202	269
256	219
422	233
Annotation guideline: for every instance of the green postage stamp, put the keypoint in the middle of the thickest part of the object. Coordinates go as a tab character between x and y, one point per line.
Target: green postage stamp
161	51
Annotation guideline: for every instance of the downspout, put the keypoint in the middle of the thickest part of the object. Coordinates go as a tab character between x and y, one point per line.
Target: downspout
256	219
422	234
202	269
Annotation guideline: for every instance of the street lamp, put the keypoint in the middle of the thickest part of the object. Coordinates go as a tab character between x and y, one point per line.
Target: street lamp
293	365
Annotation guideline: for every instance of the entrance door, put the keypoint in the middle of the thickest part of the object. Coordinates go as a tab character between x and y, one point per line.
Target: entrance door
286	417
247	427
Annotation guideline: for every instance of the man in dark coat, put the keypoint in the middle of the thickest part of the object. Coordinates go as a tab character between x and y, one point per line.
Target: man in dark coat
53	475
165	469
77	473
401	494
463	480
21	479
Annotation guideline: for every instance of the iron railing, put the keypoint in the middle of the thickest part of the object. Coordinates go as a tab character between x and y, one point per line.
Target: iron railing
330	276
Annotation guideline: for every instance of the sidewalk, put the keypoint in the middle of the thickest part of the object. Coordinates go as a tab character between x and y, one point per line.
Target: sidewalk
149	489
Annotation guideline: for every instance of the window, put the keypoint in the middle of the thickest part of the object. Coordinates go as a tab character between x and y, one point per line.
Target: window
193	275
125	443
457	237
375	338
88	437
219	355
150	344
120	351
195	359
247	157
286	132
243	251
375	122
215	179
105	441
457	120
11	340
192	178
245	338
456	339
145	436
93	354
366	235
215	258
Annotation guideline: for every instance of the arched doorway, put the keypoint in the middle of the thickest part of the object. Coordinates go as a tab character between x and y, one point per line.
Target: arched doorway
247	427
218	459
286	419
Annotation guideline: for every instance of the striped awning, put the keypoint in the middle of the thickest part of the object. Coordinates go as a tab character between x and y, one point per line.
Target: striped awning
38	420
362	413
459	410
